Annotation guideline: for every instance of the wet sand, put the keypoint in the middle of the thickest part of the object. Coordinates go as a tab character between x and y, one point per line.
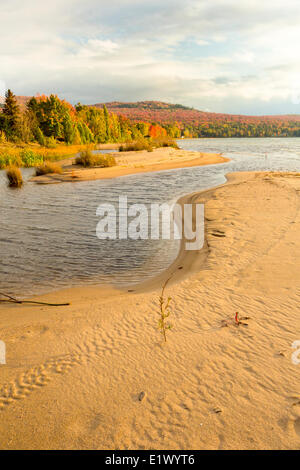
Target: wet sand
133	162
74	375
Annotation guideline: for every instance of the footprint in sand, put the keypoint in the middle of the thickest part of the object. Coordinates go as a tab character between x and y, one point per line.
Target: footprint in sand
296	423
36	377
297	426
295	418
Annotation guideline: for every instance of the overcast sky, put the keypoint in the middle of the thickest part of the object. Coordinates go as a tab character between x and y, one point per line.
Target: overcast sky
217	55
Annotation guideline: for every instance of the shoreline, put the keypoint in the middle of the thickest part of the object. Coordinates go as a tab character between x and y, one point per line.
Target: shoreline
174	269
157	280
74	374
134	162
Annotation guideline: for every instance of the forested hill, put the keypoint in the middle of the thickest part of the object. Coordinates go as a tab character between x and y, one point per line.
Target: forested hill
179	120
195	123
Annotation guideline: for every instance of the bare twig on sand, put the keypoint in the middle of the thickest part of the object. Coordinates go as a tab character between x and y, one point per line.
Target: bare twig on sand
16	301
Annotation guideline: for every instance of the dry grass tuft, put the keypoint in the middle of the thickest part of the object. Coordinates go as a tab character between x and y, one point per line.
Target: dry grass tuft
88	159
48	167
148	144
14	176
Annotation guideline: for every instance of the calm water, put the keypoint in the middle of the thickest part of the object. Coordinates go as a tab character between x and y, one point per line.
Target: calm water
47	232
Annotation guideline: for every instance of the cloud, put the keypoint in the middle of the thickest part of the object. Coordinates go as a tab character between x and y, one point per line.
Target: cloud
220	54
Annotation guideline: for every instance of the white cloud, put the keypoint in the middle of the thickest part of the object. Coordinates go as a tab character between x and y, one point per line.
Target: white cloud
96	48
220	54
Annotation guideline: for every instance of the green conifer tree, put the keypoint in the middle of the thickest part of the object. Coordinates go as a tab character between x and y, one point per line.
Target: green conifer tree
11	112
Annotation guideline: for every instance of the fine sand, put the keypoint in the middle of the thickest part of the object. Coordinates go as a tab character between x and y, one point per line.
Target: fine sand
128	163
74	375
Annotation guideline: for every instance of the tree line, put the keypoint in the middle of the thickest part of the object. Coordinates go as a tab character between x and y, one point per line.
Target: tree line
48	120
241	129
182	121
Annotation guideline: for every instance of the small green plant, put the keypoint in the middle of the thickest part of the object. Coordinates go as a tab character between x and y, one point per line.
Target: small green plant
164	314
14	176
30	158
8	159
164	307
164	310
48	167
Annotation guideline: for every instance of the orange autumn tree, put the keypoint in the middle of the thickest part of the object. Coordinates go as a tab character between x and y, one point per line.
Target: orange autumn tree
156	131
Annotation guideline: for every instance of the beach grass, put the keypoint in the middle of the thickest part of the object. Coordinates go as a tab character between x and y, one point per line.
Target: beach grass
88	159
148	144
14	176
32	155
48	167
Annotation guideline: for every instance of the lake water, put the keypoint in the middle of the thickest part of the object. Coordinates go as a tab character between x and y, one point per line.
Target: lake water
47	232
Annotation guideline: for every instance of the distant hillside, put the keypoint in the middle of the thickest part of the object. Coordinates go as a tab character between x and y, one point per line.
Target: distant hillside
169	113
22	100
148	105
195	123
179	120
163	113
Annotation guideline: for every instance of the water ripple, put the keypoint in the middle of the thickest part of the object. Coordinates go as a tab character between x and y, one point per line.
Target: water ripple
48	239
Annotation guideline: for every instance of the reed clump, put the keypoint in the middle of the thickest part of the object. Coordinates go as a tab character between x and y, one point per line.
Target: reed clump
48	167
165	142
141	144
14	176
148	144
88	159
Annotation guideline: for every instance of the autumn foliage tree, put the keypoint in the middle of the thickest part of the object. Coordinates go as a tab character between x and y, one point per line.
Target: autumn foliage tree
54	117
48	119
156	131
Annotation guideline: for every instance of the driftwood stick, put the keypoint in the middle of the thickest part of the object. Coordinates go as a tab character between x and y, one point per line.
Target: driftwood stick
16	301
9	297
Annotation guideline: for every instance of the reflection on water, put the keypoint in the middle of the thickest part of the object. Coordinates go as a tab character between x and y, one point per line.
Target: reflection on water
47	234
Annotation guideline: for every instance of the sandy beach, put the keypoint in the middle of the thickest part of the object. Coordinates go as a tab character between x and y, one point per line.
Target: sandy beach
75	375
129	163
